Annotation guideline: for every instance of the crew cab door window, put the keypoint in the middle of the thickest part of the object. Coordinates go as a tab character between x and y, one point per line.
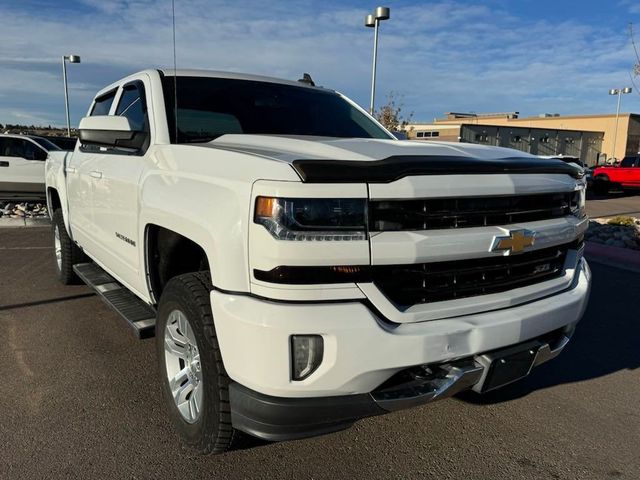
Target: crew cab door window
16	147
13	147
132	105
34	152
102	105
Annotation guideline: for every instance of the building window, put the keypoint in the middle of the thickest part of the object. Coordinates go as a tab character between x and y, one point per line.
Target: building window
424	134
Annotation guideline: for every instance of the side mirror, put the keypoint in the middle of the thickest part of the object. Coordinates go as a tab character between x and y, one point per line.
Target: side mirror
110	131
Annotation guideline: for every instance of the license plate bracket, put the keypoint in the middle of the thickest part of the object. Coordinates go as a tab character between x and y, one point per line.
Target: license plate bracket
507	366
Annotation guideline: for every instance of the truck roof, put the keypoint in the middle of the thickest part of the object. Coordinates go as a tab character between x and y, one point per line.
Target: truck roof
232	75
206	74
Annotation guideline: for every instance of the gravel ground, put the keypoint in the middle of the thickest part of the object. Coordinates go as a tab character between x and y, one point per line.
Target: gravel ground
23	210
624	236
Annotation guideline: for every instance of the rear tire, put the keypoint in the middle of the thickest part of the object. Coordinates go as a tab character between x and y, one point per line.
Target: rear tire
194	381
67	253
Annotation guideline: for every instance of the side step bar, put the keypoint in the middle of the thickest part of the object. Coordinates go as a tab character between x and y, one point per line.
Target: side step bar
140	316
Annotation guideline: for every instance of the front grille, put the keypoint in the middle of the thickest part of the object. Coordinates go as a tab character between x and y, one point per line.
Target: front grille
407	285
444	213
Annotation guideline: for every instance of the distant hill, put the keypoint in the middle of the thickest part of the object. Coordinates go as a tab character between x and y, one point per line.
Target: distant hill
41	131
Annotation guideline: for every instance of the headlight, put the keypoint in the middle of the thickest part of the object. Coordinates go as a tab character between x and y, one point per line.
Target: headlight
312	219
577	204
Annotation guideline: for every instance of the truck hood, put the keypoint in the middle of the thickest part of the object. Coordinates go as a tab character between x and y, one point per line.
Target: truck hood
291	148
342	160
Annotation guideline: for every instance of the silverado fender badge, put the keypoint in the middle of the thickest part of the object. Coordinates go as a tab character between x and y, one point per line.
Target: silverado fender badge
515	242
126	239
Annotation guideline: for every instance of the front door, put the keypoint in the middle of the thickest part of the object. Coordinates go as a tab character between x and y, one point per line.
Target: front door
116	191
80	172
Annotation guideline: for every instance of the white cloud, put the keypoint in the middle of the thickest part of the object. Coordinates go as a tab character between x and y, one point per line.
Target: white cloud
447	56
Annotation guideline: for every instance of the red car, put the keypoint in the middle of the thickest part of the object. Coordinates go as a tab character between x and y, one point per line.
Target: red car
625	175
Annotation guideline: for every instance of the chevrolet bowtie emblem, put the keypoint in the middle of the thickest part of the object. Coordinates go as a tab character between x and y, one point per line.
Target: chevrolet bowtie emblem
515	242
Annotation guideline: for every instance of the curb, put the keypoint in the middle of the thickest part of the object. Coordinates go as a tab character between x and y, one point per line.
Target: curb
24	222
617	257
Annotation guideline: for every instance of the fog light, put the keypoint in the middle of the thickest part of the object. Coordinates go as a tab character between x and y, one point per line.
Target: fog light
306	355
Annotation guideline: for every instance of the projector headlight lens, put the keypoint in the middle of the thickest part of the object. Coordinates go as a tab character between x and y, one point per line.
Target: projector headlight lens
312	219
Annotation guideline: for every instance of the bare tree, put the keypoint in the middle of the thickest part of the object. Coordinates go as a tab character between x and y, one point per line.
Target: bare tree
635	70
390	114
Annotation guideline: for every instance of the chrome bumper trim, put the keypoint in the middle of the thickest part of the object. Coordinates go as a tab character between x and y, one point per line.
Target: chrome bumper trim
450	379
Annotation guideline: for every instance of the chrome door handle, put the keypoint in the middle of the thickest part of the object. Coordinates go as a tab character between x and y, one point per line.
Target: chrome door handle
95	174
71	170
4	164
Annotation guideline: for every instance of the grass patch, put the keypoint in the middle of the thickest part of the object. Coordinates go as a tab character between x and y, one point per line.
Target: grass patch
623	221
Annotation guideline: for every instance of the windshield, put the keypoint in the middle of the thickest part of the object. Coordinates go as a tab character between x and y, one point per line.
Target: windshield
44	143
211	107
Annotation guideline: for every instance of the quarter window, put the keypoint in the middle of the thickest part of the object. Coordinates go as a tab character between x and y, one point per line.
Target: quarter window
102	104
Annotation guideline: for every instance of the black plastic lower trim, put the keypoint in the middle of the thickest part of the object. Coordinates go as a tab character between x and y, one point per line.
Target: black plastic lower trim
279	418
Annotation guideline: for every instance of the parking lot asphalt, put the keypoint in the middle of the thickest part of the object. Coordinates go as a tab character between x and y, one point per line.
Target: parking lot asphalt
80	399
613	204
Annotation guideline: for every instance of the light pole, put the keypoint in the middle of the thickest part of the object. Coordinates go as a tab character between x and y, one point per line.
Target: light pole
618	92
71	59
373	20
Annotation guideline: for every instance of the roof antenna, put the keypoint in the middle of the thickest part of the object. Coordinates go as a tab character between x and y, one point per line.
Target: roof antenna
306	78
175	72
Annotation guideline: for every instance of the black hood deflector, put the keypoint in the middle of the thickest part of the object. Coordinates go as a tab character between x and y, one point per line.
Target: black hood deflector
398	166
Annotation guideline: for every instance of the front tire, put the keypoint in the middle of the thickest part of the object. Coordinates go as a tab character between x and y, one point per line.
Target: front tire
194	382
601	187
67	253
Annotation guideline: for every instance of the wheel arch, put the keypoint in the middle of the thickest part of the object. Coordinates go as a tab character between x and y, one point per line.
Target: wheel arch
169	253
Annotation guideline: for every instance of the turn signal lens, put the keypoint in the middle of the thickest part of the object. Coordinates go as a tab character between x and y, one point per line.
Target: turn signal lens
265	206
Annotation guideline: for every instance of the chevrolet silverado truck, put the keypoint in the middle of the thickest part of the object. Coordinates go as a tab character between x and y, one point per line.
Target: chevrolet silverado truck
299	266
626	176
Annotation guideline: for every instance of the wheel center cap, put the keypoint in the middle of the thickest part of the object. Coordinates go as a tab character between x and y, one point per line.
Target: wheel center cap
193	363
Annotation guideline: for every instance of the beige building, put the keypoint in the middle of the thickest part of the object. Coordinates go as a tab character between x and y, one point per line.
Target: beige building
589	137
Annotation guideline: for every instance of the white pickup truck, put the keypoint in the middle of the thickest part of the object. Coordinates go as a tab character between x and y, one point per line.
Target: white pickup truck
299	266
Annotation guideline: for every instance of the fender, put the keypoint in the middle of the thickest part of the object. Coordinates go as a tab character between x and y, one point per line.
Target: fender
56	179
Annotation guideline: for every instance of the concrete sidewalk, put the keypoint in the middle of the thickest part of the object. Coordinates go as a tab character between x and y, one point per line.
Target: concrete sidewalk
25	222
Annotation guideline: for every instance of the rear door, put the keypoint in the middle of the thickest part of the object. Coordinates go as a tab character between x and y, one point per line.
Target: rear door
21	167
116	193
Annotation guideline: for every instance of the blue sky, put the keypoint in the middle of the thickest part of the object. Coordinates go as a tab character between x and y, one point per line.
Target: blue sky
531	56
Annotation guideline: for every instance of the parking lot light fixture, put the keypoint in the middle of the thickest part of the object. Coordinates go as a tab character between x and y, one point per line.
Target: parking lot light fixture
618	92
65	59
373	20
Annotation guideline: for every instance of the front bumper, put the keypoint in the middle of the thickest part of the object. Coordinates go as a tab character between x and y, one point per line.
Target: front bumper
361	351
277	419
